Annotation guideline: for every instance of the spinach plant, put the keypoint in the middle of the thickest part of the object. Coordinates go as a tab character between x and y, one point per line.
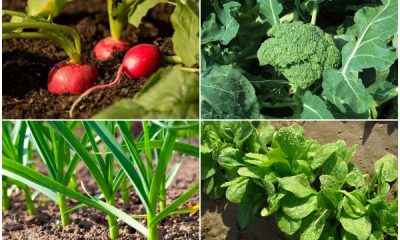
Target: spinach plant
313	190
308	59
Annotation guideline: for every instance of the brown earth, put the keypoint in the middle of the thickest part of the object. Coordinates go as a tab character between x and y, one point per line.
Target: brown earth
91	224
27	62
374	140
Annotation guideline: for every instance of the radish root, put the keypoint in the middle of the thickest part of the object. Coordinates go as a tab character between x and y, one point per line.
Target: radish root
115	82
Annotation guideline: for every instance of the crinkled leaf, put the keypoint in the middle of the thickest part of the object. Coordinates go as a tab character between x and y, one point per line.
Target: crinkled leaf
387	167
230	158
286	224
298	185
360	227
298	208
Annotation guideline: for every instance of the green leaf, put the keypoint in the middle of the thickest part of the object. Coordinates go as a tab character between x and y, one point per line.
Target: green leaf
315	226
360	227
329	181
244	191
230	158
227	93
270	10
139	9
314	107
286	224
34	177
171	92
323	153
298	208
373	26
185	21
247	214
298	185
289	140
235	132
45	8
175	204
386	167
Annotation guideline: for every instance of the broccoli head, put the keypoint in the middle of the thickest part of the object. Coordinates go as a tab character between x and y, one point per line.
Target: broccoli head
300	52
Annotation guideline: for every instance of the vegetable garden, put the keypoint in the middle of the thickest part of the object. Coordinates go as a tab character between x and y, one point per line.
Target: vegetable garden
100	180
100	59
300	59
312	190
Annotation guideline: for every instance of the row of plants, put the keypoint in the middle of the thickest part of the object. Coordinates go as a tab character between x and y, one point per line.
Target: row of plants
73	76
308	59
313	190
111	154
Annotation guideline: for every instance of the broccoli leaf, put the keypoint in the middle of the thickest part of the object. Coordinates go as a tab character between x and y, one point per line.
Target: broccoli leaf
373	26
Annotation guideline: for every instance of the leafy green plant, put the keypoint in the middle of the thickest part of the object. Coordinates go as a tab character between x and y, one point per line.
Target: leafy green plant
55	142
313	190
309	59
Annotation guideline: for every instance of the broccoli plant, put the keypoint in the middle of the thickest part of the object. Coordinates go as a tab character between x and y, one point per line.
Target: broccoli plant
301	66
309	59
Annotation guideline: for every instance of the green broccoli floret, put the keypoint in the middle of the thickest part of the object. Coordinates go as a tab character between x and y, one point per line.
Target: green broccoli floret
300	52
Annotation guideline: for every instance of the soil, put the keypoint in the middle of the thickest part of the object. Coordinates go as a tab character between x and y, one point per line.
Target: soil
90	224
27	62
374	140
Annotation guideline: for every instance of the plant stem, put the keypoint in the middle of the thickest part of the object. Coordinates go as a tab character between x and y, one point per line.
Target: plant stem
124	190
67	46
163	196
112	222
277	105
73	184
153	229
314	13
52	27
5	198
173	59
297	4
118	22
28	199
62	204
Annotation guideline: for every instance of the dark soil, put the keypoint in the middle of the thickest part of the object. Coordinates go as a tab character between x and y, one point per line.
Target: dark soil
26	63
91	224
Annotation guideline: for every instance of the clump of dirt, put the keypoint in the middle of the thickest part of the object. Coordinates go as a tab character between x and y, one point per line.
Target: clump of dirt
374	140
27	62
88	223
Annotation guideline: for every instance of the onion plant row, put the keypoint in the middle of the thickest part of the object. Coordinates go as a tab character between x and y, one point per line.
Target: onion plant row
111	154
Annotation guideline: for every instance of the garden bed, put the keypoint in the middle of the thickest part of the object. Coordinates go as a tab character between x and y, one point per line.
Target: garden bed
374	140
89	223
26	63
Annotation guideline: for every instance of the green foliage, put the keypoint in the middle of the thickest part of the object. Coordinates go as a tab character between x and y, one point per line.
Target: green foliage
312	189
299	59
45	8
120	158
302	66
171	92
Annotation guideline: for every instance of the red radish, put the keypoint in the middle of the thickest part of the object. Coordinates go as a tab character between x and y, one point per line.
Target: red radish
107	46
71	78
140	61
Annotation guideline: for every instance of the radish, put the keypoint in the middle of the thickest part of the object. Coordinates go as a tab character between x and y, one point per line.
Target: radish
107	46
139	62
73	78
